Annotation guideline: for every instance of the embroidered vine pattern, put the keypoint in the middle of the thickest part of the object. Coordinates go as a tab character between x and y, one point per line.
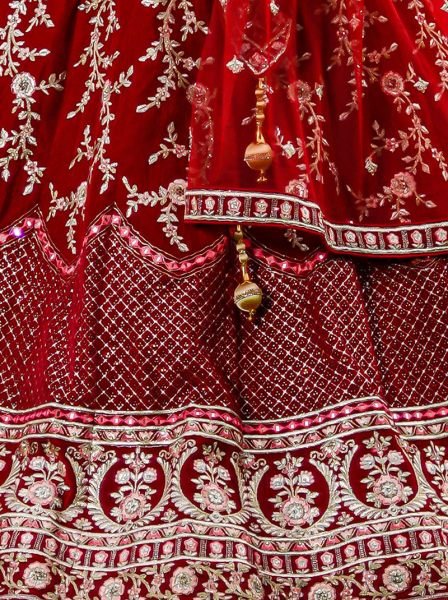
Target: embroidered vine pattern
95	151
169	146
169	199
20	143
75	204
429	34
178	66
105	23
200	98
364	65
316	146
414	142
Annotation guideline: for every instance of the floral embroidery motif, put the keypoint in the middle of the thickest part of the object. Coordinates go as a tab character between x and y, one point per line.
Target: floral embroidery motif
214	493
20	143
37	576
294	500
105	23
171	146
135	487
386	480
199	97
348	20
429	35
415	145
170	199
302	94
75	203
178	66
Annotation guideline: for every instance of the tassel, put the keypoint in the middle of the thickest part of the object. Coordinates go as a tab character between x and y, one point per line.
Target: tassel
259	154
248	295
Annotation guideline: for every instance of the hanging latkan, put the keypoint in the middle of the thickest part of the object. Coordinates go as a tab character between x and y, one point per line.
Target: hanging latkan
259	154
248	295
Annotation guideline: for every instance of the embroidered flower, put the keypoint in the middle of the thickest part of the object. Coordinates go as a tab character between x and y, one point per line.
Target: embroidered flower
391	144
301	563
371	239
285	210
395	457
149	475
234	206
393	240
112	589
215	498
396	578
23	85
123	476
132	507
191	545
374	545
297	187
176	191
216	548
350	237
167	548
296	511
392	83
322	591
183	581
37	575
209	204
26	539
277	482
198	95
100	557
417	237
42	493
403	185
389	490
421	85
300	90
441	235
37	463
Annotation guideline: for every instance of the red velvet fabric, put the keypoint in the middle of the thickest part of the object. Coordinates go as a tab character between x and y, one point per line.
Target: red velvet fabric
154	443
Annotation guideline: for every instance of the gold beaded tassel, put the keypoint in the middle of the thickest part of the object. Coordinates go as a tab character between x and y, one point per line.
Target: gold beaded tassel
259	154
248	295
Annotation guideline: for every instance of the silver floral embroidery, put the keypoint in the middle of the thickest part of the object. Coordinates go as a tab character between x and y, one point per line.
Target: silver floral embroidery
105	23
169	198
178	66
75	204
20	143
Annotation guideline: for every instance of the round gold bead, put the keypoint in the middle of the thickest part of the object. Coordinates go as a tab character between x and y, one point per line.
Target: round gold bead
248	297
259	156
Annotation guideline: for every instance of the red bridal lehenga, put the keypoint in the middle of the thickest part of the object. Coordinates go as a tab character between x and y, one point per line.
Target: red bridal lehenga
155	442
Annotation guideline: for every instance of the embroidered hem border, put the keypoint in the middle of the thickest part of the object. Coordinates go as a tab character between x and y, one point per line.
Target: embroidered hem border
289	211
